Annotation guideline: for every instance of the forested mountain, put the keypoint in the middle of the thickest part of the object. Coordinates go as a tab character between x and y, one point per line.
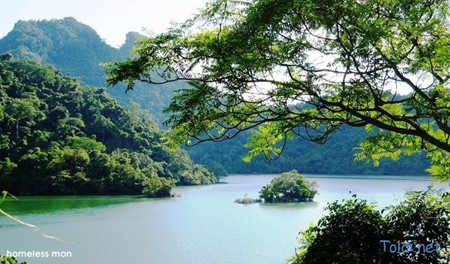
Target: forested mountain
76	49
70	46
58	137
334	157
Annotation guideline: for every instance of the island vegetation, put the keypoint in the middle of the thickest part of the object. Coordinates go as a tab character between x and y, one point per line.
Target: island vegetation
288	187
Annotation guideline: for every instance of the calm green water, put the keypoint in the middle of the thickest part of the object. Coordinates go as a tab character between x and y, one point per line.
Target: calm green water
203	225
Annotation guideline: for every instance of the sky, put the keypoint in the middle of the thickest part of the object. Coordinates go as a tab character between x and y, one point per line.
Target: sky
112	19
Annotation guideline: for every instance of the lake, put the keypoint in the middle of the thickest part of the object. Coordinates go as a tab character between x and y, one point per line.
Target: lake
202	225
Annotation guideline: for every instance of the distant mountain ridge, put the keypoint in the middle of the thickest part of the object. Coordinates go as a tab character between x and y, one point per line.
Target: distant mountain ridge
76	49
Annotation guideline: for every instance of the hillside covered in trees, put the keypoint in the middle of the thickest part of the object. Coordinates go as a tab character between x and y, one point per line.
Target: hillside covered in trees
334	157
59	137
76	49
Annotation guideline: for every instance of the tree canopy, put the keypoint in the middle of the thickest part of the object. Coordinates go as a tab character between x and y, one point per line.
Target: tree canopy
305	68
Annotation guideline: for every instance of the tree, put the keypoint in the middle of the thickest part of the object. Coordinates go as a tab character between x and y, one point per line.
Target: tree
67	170
288	187
217	169
306	68
353	232
158	187
19	109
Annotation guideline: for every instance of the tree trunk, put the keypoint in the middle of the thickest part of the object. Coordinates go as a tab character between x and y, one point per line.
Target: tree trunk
17	130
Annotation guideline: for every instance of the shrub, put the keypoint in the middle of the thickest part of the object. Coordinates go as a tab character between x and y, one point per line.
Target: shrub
157	187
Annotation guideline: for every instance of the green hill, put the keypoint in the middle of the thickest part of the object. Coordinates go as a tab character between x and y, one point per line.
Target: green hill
77	50
59	137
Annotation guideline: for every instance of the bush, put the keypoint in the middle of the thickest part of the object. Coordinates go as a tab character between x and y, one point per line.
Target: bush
288	187
157	187
353	232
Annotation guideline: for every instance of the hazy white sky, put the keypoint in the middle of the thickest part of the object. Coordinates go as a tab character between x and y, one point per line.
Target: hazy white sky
112	19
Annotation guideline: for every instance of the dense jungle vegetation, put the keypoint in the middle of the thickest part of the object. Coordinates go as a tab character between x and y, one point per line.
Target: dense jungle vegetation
59	137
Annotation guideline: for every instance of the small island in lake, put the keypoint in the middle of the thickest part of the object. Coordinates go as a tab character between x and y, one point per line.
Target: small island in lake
289	187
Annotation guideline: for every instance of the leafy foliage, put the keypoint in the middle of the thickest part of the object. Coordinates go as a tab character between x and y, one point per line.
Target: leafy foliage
334	157
9	260
344	62
62	138
288	187
158	187
353	229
